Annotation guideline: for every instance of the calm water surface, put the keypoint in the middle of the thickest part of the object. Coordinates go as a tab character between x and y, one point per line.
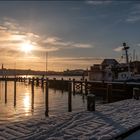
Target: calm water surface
23	109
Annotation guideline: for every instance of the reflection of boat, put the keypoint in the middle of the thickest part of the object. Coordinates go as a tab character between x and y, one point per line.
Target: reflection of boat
111	70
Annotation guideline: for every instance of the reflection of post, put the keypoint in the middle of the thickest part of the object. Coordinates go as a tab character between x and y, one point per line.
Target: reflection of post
14	92
47	99
69	98
32	86
5	90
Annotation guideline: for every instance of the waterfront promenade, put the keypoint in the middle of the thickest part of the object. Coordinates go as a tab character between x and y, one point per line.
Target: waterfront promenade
108	122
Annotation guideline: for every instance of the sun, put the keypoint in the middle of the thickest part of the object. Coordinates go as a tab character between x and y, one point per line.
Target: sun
26	47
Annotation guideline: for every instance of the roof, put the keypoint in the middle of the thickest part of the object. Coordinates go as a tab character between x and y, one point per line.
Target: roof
109	62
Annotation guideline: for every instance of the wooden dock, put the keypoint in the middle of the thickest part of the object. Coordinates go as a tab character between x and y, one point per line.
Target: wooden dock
109	91
111	121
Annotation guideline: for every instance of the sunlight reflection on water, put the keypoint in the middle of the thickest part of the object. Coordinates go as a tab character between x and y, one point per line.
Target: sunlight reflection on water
27	103
23	109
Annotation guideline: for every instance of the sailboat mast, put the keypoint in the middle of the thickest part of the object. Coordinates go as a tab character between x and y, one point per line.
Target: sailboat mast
126	52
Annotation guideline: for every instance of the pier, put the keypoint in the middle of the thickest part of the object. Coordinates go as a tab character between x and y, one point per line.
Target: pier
109	91
110	121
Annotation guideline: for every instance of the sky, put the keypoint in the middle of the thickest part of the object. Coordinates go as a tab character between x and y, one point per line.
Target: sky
73	34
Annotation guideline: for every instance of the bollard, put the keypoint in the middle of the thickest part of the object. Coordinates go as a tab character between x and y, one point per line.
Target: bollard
136	93
69	98
91	102
47	99
109	93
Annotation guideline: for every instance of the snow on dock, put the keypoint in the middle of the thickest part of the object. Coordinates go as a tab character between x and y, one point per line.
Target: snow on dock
107	122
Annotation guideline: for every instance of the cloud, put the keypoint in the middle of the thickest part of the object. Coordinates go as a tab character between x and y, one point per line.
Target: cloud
13	36
100	2
118	49
79	45
61	44
134	15
133	19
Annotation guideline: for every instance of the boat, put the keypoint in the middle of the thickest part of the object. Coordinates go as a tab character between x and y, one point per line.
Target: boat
112	70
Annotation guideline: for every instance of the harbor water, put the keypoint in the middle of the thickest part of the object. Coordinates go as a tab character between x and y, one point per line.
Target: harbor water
58	102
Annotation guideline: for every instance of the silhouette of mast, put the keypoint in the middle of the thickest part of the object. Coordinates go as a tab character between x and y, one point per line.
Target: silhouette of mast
125	48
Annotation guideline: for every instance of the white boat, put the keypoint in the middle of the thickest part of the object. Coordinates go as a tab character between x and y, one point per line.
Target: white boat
111	70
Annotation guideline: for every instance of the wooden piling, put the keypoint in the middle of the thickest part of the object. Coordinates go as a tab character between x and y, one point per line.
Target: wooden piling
14	92
69	98
32	88
47	99
86	87
24	79
42	82
29	80
62	85
5	90
73	86
37	81
81	85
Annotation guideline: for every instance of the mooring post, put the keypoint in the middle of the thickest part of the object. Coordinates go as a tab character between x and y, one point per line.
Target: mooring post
37	81
42	82
73	86
5	90
29	80
69	98
32	87
86	86
136	93
109	92
15	92
81	85
62	85
91	102
47	99
24	79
